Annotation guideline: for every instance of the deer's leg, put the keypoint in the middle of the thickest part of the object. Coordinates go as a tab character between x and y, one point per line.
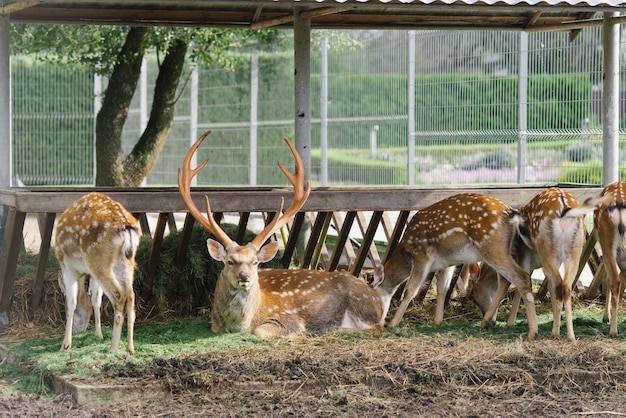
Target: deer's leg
558	294
517	298
444	279
489	318
274	329
130	325
612	291
511	271
119	306
70	282
571	268
414	283
96	301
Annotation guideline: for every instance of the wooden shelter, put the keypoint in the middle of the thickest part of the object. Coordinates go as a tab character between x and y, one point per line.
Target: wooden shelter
342	206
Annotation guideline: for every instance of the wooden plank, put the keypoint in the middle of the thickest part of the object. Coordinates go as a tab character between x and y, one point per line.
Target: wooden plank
316	231
42	260
11	245
368	239
171	223
157	200
596	283
183	245
344	225
292	241
364	226
588	249
320	247
142	217
244	217
155	252
396	235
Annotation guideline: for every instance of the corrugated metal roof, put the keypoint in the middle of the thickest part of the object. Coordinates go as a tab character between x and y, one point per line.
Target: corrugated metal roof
530	15
586	3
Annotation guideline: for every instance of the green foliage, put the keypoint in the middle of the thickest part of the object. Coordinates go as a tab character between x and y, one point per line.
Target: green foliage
97	48
589	172
579	153
187	291
451	102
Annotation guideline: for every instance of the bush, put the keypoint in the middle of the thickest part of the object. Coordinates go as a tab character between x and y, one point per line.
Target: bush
494	160
579	153
587	173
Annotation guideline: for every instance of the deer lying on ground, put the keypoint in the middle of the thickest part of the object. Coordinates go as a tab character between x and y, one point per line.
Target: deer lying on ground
276	303
555	238
460	229
610	228
97	238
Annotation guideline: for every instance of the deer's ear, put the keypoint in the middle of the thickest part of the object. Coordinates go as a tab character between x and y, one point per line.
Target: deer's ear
379	276
216	249
267	252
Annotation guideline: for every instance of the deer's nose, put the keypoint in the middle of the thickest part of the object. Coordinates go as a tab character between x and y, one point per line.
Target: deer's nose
243	277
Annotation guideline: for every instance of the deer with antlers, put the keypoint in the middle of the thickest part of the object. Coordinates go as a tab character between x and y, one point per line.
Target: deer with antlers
610	227
461	229
278	302
97	238
555	238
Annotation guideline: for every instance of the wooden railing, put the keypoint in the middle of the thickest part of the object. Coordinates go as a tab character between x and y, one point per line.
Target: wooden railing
376	211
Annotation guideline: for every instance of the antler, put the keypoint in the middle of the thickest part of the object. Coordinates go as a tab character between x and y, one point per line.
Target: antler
300	196
184	186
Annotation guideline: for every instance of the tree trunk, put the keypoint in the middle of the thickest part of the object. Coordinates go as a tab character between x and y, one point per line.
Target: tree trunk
112	115
145	153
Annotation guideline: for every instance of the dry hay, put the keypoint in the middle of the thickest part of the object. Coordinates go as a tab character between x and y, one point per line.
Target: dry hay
405	375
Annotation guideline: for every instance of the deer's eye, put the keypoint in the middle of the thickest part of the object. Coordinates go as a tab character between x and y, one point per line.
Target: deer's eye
230	263
255	263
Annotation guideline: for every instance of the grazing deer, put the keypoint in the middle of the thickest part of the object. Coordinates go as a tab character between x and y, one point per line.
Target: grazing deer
97	238
275	303
460	229
556	235
610	228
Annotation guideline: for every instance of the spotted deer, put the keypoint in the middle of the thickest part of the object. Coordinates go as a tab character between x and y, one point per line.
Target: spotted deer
554	239
97	238
461	229
610	228
278	302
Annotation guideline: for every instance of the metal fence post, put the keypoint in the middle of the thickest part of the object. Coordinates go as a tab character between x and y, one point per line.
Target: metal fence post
522	98
411	110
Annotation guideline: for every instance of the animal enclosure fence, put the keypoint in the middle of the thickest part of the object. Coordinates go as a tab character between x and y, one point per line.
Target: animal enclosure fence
400	108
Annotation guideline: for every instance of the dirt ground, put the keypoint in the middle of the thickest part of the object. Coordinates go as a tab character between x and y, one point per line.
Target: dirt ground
400	374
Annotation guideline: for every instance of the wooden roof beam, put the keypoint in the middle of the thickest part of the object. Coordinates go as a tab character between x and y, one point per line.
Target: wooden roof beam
307	14
20	5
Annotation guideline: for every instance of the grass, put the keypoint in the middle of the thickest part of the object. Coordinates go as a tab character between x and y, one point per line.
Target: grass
89	357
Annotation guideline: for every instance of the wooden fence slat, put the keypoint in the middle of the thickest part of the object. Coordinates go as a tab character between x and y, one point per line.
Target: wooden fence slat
368	239
316	232
343	245
13	239
292	240
183	245
396	235
155	252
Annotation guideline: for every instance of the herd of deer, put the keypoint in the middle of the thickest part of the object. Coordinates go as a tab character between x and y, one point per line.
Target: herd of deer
96	239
